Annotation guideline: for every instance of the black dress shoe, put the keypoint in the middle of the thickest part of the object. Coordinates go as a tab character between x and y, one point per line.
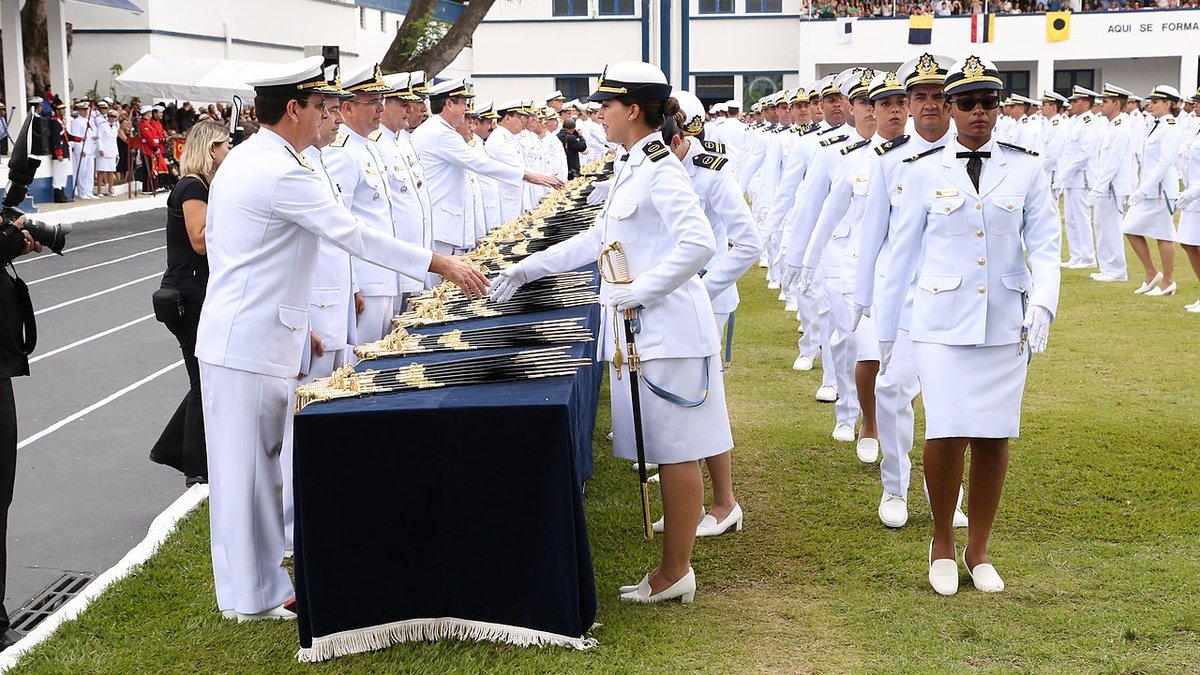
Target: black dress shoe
9	638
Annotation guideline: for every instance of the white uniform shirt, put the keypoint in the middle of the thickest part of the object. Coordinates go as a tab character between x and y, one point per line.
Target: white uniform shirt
966	248
1083	137
410	197
1159	176
361	175
1114	171
331	312
503	146
815	190
267	209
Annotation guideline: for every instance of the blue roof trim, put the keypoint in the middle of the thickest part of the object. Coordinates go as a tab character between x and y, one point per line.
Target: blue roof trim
446	10
568	19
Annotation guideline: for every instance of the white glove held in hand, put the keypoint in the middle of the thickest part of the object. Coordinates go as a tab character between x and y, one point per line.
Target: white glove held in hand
1188	198
885	355
1037	321
1093	197
1136	198
622	297
807	274
857	312
791	276
507	283
599	192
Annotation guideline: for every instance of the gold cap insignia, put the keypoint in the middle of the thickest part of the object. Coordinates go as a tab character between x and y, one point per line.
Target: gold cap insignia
926	65
973	67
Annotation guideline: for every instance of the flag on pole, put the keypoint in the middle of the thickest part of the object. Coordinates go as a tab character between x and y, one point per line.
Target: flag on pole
920	29
983	28
845	30
1058	26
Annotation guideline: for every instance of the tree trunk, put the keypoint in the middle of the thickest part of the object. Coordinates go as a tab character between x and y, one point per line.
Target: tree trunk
400	52
37	47
436	58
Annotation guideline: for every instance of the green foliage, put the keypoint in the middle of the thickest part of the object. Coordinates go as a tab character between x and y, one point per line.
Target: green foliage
425	34
1096	538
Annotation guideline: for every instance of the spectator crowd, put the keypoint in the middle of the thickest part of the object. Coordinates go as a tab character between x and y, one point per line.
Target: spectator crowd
887	8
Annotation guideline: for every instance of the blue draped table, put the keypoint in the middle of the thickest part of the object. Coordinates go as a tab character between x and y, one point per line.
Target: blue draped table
449	512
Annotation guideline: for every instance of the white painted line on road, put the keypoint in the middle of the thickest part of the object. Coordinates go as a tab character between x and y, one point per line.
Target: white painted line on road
92	267
75	249
97	405
97	293
89	338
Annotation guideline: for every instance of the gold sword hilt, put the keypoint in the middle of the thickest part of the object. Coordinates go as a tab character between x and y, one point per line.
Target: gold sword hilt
614	268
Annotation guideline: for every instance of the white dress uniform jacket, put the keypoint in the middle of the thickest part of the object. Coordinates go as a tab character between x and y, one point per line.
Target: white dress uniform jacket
411	209
1054	136
360	173
331	312
977	257
1159	177
446	158
1114	171
1083	137
734	232
262	255
503	146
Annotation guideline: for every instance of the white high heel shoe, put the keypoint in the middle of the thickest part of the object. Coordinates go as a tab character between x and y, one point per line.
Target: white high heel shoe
1147	285
709	527
684	589
278	613
984	576
1158	292
943	574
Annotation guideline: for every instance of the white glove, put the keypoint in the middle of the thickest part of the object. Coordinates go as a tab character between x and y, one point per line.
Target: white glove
599	192
507	283
622	297
791	276
1093	197
1136	198
857	312
807	274
1187	198
1056	188
1037	322
885	354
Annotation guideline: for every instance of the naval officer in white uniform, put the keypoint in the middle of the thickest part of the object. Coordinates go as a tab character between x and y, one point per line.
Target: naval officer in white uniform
1112	178
653	212
1153	200
267	210
980	235
1189	203
447	158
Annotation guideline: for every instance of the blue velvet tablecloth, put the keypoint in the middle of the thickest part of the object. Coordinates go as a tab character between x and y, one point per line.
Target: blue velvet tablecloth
458	503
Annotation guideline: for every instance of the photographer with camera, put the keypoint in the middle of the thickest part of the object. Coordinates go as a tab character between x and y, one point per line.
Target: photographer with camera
18	330
573	144
178	302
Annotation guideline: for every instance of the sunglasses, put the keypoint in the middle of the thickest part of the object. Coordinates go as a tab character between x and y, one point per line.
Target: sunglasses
967	104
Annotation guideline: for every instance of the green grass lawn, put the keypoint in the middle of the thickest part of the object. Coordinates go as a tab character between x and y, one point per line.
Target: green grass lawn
1097	539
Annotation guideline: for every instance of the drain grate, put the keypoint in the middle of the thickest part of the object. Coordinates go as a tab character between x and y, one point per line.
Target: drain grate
48	601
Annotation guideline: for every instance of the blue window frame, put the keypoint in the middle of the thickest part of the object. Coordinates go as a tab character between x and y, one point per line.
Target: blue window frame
616	7
572	87
716	6
764	6
570	7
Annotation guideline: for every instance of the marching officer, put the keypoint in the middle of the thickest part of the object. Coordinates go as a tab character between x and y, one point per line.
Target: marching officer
268	208
979	234
1153	199
1054	131
1071	180
1113	176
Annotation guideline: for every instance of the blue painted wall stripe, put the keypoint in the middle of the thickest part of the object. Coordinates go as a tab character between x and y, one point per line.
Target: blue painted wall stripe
664	36
646	31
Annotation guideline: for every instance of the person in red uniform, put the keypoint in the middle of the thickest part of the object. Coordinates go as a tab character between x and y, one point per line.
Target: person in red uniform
153	137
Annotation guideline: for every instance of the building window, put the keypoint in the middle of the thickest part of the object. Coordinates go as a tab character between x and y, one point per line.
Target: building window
755	87
616	7
764	6
716	6
573	87
570	7
1016	81
712	89
1065	80
362	18
382	21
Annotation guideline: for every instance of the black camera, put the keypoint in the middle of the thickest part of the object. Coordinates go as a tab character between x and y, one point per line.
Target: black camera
21	170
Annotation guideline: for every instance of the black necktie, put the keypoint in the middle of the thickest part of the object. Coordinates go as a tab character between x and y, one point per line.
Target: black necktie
1153	127
974	164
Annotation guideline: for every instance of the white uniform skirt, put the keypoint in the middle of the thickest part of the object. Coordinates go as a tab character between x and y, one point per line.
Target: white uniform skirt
971	391
1189	228
1149	218
673	434
106	163
866	340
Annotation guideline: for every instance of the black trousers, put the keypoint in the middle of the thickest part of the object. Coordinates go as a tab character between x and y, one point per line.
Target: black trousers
181	444
8	474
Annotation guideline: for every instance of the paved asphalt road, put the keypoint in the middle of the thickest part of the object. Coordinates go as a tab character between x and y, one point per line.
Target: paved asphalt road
88	414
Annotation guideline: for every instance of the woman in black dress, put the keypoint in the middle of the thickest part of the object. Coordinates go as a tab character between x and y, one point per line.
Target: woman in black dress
181	444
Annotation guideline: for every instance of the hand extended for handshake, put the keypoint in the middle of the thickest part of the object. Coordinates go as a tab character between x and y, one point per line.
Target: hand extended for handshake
543	179
461	273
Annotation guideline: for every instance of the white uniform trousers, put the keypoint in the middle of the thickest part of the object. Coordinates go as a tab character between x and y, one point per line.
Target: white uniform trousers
376	320
1080	245
813	312
320	366
1110	245
895	389
245	415
836	333
60	171
85	180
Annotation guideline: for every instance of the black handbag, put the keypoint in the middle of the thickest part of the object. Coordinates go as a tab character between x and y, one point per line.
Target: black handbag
168	305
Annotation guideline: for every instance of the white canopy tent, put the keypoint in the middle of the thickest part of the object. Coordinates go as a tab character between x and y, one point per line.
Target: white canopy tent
181	78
